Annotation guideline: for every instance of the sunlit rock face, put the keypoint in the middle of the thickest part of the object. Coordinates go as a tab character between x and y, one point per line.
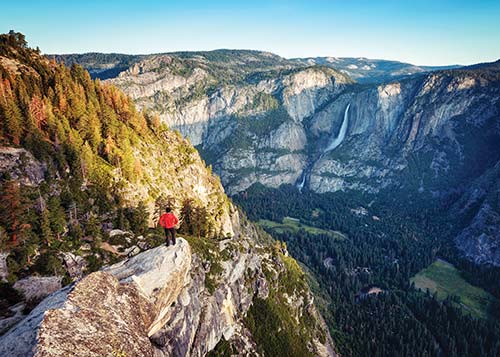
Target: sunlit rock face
274	127
107	312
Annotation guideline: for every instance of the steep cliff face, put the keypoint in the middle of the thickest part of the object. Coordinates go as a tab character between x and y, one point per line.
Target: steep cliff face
427	129
172	301
252	127
240	274
478	210
275	128
187	102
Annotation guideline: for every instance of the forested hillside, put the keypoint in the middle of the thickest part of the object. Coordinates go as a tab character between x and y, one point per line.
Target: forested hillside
362	272
78	157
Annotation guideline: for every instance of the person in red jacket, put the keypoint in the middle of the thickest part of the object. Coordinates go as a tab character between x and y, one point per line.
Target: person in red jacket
168	221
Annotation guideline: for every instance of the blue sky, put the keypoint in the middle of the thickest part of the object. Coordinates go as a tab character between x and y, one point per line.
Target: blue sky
422	32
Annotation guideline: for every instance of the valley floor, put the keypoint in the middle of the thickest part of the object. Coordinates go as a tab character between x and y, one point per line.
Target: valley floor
293	225
445	280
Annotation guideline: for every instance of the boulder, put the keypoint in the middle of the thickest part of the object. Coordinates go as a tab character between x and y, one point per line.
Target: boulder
108	313
117	232
35	288
21	166
133	250
75	265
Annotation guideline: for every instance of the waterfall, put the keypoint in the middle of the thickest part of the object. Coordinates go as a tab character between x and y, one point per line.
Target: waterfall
343	129
303	178
300	185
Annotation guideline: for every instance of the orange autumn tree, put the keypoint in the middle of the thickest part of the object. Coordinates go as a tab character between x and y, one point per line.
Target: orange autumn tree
14	208
38	112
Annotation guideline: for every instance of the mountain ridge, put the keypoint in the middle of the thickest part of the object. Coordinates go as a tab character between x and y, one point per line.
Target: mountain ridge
391	69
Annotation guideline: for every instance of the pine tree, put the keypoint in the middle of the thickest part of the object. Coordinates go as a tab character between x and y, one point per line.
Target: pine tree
57	216
46	231
138	218
187	217
201	227
12	123
13	207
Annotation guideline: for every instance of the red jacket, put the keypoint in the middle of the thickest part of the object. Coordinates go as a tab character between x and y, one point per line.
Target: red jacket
168	220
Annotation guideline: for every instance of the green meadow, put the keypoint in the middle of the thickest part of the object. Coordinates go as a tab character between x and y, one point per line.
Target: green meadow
444	279
293	225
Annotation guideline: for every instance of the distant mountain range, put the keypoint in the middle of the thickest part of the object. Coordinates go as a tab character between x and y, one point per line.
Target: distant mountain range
362	70
366	70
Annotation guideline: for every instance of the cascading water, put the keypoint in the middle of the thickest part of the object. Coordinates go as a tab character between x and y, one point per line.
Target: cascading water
301	182
343	130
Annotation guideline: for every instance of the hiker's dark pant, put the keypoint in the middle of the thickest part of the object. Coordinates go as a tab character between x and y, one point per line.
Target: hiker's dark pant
169	236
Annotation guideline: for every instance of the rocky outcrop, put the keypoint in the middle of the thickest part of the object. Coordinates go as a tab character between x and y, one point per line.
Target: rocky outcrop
106	313
159	274
164	302
36	288
205	313
75	265
98	308
21	166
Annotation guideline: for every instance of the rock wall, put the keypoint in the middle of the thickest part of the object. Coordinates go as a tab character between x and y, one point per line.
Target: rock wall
421	115
477	210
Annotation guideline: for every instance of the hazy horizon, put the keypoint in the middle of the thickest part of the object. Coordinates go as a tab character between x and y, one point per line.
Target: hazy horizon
431	33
